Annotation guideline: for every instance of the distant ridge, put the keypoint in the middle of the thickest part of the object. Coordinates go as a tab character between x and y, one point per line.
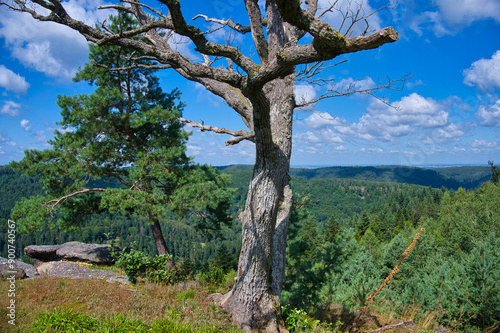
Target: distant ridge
454	177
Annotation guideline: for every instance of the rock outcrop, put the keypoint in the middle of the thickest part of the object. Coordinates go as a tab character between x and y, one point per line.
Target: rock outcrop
70	260
99	254
42	252
75	270
18	268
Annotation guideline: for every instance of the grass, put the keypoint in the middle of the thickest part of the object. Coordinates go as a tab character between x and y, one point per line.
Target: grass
423	320
74	305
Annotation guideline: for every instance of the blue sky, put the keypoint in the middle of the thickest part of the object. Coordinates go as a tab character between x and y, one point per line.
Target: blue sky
448	113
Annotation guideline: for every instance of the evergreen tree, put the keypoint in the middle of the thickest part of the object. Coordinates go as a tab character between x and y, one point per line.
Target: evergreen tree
127	130
223	258
362	225
495	172
332	229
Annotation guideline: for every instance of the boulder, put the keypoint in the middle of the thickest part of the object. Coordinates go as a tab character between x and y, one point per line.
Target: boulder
72	251
76	270
18	268
42	252
91	253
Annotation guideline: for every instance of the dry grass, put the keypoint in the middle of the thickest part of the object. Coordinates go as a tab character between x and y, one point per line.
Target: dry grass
423	320
100	299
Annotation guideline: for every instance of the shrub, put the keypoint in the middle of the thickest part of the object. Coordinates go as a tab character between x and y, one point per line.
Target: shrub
160	269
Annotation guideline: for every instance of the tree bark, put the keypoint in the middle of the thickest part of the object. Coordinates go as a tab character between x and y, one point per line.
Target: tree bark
254	301
160	243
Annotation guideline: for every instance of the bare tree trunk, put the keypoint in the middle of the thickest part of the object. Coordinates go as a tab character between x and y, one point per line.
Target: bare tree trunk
160	243
255	298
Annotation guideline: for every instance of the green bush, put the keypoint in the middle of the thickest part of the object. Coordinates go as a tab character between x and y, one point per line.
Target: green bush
297	320
214	275
160	269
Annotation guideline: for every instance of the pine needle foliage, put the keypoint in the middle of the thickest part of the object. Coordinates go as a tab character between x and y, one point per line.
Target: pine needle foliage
127	131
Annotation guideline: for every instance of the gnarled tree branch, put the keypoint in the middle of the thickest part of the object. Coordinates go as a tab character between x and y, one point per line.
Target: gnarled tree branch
56	202
240	135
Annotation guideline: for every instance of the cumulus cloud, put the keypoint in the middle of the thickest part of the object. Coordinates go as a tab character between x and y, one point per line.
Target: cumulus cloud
325	135
320	120
484	73
449	16
25	125
11	108
386	122
12	81
447	133
11	143
464	12
428	20
489	115
304	93
483	145
350	84
48	47
335	17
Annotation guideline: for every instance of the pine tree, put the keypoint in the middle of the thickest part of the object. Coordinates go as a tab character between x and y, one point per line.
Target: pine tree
332	229
127	130
495	172
223	258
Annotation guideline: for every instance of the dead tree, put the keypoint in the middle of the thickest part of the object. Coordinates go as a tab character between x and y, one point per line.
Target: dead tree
291	40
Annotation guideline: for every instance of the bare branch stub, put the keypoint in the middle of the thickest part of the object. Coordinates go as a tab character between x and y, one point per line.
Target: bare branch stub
51	204
240	135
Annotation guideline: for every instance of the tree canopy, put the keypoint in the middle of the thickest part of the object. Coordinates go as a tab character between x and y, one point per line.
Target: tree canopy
127	131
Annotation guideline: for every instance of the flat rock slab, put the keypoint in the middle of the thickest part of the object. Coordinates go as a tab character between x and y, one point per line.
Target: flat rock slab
91	253
42	252
76	251
18	268
78	271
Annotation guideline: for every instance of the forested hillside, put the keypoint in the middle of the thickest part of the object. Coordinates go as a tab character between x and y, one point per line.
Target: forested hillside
345	239
343	192
468	177
181	237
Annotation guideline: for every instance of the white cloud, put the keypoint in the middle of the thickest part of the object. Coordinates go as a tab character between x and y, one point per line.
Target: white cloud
320	120
183	45
482	145
372	150
46	46
386	122
336	17
450	132
489	115
11	108
39	136
304	93
484	73
11	143
12	81
25	125
325	135
464	12
350	84
448	16
429	20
